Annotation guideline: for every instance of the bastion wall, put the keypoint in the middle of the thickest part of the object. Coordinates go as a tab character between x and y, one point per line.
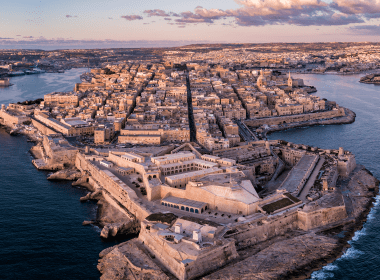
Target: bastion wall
42	128
296	118
10	120
208	258
125	196
321	217
246	235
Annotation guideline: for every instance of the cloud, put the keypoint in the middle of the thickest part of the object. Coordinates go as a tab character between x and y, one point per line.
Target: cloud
28	37
167	18
2	38
132	17
70	16
371	30
295	12
201	15
365	7
156	13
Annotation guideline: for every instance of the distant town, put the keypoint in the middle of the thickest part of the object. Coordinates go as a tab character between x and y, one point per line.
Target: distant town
173	142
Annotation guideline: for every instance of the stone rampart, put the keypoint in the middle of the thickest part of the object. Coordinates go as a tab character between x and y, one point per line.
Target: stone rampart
42	128
10	119
59	155
138	167
296	118
124	195
294	219
321	217
246	235
209	259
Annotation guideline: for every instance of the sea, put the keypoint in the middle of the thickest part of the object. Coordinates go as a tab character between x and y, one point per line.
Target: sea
41	232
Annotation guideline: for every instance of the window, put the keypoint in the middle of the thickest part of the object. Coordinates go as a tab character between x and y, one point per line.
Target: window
191	210
187	209
182	208
162	203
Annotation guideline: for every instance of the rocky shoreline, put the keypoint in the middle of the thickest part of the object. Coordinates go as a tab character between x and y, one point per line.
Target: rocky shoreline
313	249
371	79
316	248
294	255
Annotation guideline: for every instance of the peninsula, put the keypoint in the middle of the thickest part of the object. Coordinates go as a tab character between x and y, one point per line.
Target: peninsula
177	153
371	79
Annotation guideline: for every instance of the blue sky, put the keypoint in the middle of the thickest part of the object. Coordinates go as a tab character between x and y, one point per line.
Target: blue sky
117	22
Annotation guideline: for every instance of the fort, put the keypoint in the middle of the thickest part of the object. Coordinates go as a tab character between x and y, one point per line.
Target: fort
213	207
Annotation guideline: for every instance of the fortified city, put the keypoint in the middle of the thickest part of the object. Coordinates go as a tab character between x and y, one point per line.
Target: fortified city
173	146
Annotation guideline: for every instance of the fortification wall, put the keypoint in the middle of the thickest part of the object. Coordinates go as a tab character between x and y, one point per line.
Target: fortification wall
42	128
10	120
321	217
160	251
61	156
246	235
207	260
125	196
211	260
296	118
125	163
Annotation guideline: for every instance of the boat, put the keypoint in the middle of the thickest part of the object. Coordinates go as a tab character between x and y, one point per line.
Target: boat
16	73
34	71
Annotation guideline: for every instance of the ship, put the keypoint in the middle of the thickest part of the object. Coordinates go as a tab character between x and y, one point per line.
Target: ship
16	73
34	71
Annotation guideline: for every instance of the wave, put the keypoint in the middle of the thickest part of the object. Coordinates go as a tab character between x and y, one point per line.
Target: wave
331	267
359	234
322	275
351	253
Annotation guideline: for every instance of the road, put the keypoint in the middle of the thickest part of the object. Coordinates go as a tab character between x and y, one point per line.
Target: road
245	132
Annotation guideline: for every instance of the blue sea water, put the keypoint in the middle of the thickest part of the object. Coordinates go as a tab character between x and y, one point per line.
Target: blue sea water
41	236
41	232
362	260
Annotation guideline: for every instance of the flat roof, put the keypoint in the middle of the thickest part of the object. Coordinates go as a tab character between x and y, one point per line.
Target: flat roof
184	201
298	172
194	173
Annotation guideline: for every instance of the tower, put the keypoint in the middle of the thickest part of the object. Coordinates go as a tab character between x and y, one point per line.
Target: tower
290	81
261	80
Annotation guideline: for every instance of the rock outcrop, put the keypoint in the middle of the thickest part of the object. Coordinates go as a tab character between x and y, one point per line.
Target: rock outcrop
128	261
66	174
371	79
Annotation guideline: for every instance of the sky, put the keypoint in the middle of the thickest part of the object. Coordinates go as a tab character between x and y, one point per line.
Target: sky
141	23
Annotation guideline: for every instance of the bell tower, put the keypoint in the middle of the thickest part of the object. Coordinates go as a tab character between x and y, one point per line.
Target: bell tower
290	81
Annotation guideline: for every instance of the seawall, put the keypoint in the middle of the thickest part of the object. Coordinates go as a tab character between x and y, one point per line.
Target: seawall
347	119
125	196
